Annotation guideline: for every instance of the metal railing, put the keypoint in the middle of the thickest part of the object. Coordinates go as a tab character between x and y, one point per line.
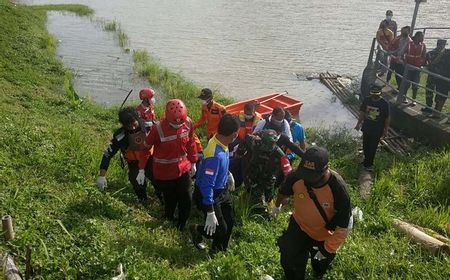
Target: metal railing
424	30
380	53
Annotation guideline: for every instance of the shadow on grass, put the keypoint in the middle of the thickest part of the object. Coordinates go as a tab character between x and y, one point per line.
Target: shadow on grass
171	245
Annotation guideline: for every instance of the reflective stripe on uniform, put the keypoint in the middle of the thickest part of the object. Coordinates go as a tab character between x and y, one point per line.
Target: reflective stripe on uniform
169	161
171	137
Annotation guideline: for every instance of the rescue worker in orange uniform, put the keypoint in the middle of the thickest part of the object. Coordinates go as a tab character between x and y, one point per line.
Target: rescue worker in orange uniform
415	55
384	38
320	220
212	112
128	139
174	158
146	109
247	122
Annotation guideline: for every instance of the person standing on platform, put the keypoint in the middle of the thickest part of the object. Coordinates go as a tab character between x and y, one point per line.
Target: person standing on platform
415	55
212	112
389	23
211	192
397	51
385	37
374	122
433	59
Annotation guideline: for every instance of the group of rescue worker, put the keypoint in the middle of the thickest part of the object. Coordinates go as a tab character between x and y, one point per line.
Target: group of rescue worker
397	52
247	148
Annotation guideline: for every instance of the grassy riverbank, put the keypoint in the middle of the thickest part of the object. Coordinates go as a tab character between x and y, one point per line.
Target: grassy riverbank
50	148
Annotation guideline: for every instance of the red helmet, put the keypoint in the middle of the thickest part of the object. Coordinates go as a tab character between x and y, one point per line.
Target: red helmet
146	93
176	111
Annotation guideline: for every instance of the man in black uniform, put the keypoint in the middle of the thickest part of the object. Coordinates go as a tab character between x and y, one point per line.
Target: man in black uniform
374	123
434	58
129	139
442	86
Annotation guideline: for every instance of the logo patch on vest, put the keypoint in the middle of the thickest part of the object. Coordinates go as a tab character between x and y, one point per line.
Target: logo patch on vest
326	205
301	196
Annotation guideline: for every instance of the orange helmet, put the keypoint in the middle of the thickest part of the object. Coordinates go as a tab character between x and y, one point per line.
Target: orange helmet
176	111
146	93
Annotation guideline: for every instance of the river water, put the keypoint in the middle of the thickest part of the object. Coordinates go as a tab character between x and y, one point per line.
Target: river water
242	48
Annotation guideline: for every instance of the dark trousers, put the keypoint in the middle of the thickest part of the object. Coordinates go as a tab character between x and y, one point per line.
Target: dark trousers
370	145
399	69
413	76
176	192
295	249
223	208
431	84
442	87
236	169
133	170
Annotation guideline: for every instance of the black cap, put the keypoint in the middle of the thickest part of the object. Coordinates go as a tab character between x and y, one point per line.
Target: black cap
205	94
314	164
389	12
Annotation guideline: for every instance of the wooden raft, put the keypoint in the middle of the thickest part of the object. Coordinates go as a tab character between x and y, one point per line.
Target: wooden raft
393	142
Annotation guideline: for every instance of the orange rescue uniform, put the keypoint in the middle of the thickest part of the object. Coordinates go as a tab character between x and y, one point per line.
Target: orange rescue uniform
246	126
211	114
415	54
333	198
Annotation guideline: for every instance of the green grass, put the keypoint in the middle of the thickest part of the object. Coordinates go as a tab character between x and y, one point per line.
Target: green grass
119	35
50	147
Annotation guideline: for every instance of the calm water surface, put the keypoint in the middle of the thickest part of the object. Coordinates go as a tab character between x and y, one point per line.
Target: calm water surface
242	48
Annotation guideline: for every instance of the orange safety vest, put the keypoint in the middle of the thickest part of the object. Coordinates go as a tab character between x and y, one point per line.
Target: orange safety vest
211	115
246	126
414	54
308	216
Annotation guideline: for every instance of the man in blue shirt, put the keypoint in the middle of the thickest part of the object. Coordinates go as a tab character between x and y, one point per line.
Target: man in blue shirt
211	188
298	134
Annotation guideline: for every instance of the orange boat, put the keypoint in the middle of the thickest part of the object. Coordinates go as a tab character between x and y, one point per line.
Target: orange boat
267	103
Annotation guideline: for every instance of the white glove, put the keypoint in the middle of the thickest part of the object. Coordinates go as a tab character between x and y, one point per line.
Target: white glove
141	177
211	223
275	210
193	170
101	183
319	256
230	182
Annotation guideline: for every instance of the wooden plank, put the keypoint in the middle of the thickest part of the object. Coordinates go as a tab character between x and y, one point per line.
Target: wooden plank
397	146
365	183
427	242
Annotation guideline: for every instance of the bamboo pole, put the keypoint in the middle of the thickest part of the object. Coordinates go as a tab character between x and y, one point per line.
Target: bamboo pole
9	269
427	242
7	227
433	234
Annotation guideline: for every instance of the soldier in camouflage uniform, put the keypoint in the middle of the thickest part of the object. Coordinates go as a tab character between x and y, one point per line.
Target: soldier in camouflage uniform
263	161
